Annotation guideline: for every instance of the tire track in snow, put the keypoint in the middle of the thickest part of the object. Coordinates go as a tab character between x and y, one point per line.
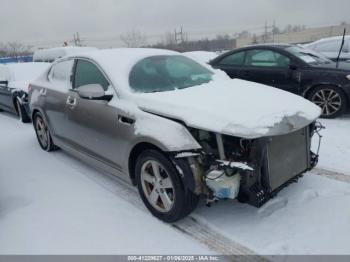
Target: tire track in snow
190	226
331	174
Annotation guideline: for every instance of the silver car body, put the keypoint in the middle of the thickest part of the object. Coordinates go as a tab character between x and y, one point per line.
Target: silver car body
109	134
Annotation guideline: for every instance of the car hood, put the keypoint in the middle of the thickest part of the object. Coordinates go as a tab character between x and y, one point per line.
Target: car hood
342	66
233	107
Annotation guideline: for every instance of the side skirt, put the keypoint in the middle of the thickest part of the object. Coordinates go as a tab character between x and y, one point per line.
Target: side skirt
91	160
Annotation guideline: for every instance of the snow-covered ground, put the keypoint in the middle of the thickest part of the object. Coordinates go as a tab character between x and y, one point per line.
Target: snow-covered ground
335	149
51	204
54	204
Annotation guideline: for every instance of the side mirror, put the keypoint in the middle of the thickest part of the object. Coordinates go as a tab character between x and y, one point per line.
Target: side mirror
93	92
4	82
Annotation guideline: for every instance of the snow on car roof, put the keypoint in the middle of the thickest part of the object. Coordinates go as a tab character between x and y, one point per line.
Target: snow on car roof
117	63
51	54
5	73
26	71
201	56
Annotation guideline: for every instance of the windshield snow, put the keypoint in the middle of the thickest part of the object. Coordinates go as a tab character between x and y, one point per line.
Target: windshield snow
167	73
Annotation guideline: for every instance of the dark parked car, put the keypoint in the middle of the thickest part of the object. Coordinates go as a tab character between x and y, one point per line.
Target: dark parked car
14	82
294	69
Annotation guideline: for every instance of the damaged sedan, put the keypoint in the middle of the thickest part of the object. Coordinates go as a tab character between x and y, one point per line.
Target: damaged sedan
175	128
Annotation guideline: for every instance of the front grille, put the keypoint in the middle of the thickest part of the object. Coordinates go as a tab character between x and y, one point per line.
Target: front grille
288	157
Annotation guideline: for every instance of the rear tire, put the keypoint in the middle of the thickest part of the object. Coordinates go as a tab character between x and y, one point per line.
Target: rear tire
22	114
43	133
331	99
164	184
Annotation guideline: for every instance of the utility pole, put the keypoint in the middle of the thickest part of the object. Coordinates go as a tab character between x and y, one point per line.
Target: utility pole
273	31
265	34
76	39
179	36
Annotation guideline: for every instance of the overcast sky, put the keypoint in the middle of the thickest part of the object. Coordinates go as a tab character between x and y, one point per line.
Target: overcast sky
100	22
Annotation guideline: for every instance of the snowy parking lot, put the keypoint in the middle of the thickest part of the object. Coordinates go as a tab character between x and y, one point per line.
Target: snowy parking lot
54	204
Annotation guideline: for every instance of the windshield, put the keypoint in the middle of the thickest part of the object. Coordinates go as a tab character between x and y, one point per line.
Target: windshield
308	56
166	73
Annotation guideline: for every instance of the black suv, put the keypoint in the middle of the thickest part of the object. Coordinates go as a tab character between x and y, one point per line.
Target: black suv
294	69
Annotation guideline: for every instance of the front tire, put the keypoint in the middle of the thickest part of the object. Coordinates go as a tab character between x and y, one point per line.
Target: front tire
161	188
43	133
331	99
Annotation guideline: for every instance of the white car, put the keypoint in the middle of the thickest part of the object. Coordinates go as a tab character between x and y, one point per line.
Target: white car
14	82
330	47
174	127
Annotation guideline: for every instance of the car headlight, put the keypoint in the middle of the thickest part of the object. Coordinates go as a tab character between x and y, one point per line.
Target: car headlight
348	77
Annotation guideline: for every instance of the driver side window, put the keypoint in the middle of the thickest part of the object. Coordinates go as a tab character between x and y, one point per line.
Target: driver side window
87	73
234	59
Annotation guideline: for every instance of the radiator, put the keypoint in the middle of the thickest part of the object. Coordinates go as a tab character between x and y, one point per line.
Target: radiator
288	157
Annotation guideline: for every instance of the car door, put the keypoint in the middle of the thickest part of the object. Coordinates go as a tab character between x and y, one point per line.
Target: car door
54	97
272	68
6	97
233	65
94	125
5	90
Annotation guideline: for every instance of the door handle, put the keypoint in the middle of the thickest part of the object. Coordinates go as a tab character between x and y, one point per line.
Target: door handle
126	120
71	101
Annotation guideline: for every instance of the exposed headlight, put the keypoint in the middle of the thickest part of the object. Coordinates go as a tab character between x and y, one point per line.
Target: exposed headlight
348	77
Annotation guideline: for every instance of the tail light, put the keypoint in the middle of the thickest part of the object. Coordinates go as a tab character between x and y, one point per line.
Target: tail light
30	88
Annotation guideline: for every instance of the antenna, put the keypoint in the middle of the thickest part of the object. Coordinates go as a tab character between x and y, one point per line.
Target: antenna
341	47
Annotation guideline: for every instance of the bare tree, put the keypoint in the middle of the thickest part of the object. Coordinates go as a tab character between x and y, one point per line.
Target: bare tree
3	51
16	50
133	39
169	39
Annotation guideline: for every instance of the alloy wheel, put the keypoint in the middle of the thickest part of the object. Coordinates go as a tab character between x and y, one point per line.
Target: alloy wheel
329	101
42	132
157	186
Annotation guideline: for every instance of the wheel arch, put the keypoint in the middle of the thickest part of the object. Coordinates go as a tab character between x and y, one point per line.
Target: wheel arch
309	90
15	96
181	165
135	153
39	110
